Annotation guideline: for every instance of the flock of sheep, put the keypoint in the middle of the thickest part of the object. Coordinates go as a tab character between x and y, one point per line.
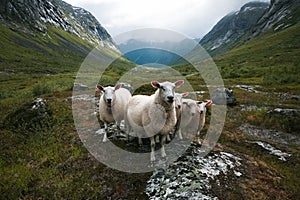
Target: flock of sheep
158	116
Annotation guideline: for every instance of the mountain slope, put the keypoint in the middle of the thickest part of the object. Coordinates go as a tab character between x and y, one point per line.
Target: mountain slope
232	27
272	57
268	50
48	36
280	15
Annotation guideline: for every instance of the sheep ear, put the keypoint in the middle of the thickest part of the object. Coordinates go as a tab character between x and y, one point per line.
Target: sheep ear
208	102
155	84
185	94
179	83
118	86
99	88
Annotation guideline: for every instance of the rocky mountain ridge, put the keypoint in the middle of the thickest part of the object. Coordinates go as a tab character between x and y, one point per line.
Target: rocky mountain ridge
233	26
35	16
280	15
251	20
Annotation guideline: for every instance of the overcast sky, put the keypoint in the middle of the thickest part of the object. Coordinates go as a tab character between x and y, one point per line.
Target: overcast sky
193	18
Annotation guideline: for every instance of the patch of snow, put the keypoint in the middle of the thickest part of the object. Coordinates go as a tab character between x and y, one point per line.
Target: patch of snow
273	151
237	173
248	9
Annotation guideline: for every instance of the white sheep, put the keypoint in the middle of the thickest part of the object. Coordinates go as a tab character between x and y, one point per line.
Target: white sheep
112	105
201	116
189	117
153	115
193	117
178	108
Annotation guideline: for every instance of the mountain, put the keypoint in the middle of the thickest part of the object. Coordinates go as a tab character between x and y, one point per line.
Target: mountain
270	50
232	27
48	35
280	15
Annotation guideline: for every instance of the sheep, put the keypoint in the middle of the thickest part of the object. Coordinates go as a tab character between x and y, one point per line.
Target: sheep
189	116
178	108
153	115
112	104
201	116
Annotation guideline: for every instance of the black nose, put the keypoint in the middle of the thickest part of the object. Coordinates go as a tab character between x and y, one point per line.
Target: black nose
170	98
108	100
201	112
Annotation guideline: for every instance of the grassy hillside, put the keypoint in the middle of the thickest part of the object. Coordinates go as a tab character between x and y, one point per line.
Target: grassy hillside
46	158
56	51
272	57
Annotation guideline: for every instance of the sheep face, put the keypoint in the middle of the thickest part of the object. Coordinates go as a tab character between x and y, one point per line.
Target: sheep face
178	99
191	107
202	106
167	90
108	94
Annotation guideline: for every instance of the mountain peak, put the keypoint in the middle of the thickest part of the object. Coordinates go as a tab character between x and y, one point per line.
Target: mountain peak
34	16
280	15
233	26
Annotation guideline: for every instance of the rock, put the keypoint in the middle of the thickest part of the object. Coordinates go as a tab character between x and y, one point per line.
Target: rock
78	87
223	96
270	135
39	106
287	96
30	117
128	87
189	177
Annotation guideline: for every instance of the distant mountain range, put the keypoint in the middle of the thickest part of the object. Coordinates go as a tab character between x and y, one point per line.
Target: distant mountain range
58	34
156	54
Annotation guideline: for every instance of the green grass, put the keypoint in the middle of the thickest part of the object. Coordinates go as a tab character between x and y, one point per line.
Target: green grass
46	158
272	57
55	52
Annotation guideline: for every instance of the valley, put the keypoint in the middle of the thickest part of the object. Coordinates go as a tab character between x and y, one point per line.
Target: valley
42	155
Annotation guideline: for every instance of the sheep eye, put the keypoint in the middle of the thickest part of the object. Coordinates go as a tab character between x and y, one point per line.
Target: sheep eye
163	88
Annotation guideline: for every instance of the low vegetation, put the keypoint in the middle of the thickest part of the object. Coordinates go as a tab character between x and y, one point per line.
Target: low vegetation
42	158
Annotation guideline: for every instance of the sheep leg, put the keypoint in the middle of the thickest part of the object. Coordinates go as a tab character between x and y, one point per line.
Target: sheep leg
118	123
198	137
140	141
157	138
163	142
168	137
180	134
128	130
152	158
105	139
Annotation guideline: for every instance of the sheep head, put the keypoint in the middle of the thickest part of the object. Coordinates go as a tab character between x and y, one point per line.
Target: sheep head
167	90
108	93
202	105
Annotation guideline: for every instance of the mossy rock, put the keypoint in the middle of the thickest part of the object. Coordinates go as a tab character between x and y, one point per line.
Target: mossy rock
29	118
